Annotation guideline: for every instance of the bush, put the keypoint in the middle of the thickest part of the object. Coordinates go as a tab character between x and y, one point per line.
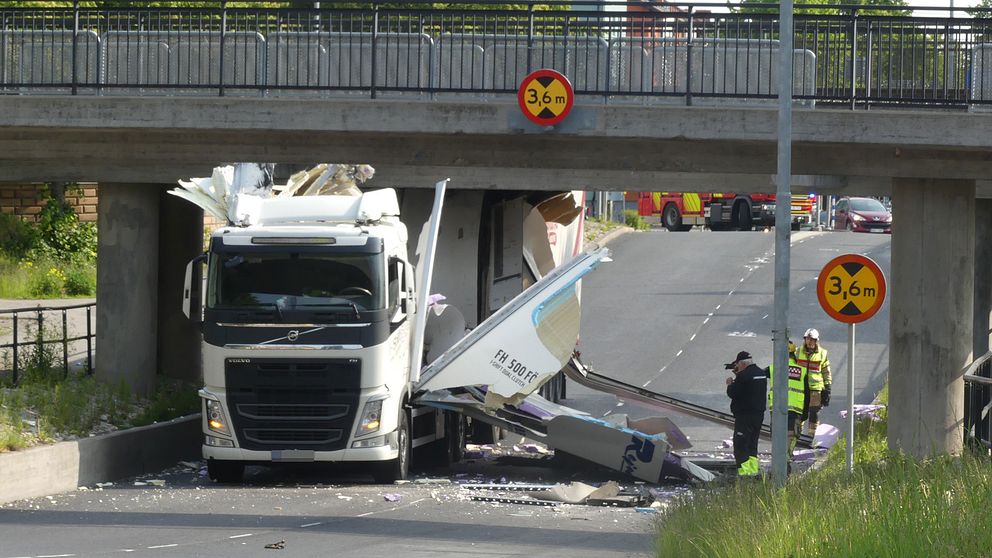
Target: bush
80	281
17	238
62	235
635	221
48	284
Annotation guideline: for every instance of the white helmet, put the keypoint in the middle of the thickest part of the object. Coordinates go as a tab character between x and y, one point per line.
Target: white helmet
812	334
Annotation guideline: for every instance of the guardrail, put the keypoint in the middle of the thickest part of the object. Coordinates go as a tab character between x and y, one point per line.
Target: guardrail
689	53
978	403
28	332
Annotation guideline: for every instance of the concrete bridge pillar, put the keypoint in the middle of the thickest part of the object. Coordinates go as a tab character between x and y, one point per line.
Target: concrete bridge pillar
127	285
983	275
931	310
181	239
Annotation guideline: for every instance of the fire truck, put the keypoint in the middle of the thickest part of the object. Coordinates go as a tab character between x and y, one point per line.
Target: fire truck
679	211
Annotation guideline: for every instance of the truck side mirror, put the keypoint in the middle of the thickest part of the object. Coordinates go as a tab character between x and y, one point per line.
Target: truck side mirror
193	289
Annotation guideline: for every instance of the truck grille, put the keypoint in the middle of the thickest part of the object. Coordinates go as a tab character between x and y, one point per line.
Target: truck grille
282	404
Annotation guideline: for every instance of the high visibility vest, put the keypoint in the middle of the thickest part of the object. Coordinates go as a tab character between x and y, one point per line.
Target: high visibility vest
814	363
797	385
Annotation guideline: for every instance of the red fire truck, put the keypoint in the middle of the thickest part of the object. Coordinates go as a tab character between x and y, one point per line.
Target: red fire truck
679	211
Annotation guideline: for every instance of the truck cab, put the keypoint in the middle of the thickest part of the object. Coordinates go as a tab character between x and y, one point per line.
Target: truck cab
306	337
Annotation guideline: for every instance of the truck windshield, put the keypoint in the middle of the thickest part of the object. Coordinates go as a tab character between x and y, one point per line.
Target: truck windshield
295	280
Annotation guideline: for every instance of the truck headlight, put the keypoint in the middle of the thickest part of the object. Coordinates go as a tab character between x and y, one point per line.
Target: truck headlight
216	420
371	414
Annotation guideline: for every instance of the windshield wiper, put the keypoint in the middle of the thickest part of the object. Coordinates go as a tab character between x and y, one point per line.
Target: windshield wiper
349	304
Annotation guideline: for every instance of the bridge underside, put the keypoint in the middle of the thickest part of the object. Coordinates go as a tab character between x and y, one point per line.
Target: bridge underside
930	162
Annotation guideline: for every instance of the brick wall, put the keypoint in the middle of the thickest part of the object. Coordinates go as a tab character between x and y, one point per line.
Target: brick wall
26	200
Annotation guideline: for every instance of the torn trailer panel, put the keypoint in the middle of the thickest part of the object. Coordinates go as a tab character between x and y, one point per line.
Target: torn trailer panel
643	449
492	373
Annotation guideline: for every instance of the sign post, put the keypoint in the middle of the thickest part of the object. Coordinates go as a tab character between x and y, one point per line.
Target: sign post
851	289
545	97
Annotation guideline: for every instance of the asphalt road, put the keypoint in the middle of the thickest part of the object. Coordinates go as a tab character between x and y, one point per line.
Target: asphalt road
667	313
674	307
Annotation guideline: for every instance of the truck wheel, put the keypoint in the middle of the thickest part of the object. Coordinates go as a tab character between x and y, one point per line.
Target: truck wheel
742	214
485	434
673	219
225	472
393	470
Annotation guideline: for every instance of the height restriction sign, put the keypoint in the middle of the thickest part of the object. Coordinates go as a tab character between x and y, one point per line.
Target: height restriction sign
851	288
545	97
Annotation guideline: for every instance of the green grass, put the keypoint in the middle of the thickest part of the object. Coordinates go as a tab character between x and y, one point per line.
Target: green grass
46	278
892	505
45	406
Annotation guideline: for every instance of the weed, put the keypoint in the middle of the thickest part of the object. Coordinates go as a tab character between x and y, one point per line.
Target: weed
635	221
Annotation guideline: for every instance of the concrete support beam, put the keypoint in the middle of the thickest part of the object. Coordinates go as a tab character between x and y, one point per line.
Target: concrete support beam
983	276
181	240
127	285
932	304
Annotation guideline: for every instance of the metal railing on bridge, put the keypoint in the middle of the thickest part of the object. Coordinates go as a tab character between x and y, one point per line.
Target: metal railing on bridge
686	53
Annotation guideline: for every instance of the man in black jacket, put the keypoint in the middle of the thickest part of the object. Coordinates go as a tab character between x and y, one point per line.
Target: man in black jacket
748	395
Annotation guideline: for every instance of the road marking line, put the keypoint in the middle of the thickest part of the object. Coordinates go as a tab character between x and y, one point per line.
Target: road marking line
731	293
803	287
717	308
607	412
765	316
159	546
742	280
239	536
304	526
710	315
693	337
620	404
679	353
663	369
706	320
646	383
54	555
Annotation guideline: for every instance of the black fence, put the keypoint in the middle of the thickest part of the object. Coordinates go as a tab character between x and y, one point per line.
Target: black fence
978	404
683	52
27	333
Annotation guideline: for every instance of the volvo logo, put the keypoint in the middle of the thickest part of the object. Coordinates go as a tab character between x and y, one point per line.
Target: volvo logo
293	335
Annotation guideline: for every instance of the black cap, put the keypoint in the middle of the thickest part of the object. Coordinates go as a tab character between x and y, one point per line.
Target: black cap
743	355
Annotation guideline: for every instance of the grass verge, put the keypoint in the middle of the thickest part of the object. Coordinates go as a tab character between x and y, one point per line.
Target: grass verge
892	505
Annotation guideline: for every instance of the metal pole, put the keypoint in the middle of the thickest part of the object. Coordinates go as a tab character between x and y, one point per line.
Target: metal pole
783	210
850	398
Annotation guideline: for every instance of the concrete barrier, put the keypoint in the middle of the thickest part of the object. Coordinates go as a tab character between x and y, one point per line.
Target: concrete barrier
61	467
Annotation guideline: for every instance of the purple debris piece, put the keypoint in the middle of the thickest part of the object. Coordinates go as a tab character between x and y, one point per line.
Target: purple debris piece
391	497
435	299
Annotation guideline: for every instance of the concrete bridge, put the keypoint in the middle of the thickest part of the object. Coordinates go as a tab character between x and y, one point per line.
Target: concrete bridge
138	122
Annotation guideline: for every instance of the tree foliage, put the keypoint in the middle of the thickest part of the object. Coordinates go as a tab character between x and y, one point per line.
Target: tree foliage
829	7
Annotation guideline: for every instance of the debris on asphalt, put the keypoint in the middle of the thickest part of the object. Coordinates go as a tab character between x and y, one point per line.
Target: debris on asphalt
391	497
276	545
156	482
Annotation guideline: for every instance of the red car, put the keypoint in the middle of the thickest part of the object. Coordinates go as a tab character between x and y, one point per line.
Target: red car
862	215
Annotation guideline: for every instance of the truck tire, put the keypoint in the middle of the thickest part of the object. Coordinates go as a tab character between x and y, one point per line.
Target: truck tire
742	214
393	470
672	219
225	472
455	436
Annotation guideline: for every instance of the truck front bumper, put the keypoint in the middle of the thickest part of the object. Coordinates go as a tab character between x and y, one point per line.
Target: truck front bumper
390	450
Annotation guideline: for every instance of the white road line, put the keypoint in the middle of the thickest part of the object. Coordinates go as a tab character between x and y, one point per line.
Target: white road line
54	555
693	337
304	526
742	280
239	536
645	384
607	413
803	287
161	546
717	308
731	293
706	320
678	354
620	404
765	316
710	315
662	369
364	514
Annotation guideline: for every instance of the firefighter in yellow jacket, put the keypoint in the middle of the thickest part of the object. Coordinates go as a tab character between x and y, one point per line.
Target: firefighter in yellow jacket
813	357
798	388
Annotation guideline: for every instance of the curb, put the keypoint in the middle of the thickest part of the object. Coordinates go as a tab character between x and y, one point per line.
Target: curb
65	466
612	235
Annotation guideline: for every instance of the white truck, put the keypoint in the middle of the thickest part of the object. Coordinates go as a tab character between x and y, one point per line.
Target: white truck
313	324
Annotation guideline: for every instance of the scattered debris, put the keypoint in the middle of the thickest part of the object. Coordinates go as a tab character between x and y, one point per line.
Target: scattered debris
503	500
391	497
104	484
156	482
576	492
432	481
276	545
864	411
